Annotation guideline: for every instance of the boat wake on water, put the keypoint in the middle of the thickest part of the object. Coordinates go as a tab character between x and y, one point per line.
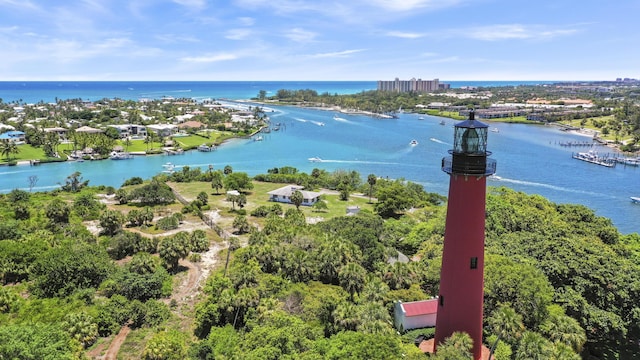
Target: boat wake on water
552	187
13	172
438	141
360	162
301	120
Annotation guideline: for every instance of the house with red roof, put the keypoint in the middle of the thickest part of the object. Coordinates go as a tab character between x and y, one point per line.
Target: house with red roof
415	314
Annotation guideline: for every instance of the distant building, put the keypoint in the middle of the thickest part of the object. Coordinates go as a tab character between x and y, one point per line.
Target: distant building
133	130
413	85
61	132
415	314
163	129
13	136
283	195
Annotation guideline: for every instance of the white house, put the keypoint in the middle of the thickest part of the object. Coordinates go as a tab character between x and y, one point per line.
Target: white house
283	195
415	314
61	132
133	130
163	129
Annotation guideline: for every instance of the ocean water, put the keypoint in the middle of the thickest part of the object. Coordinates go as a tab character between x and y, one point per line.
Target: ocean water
32	92
529	158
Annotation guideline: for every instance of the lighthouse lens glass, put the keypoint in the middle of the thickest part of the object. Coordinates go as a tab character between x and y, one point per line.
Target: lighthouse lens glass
470	141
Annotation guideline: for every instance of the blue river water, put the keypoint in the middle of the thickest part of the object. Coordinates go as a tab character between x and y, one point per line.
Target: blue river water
529	159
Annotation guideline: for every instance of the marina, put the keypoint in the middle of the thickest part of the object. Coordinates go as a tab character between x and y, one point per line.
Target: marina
594	158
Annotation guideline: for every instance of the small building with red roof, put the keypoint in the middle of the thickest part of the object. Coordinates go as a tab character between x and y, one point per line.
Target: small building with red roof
415	314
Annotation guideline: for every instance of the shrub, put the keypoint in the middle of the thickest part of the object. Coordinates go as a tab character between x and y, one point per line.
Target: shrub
168	223
260	211
136	180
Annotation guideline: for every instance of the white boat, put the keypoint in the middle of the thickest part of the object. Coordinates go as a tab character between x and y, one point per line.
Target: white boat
338	118
315	159
120	156
635	199
320	124
421	118
259	138
413	142
204	148
168	168
495	129
593	157
442	122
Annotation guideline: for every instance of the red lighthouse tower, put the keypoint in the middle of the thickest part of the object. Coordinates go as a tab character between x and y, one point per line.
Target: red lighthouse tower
461	278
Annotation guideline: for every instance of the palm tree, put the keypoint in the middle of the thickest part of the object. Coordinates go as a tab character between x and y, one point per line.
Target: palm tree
371	179
147	141
506	323
456	347
374	289
298	265
564	352
374	318
399	275
352	278
8	148
345	316
533	346
245	299
566	330
297	198
217	181
234	244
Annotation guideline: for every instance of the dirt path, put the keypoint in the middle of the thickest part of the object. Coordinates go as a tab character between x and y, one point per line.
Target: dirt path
114	347
185	294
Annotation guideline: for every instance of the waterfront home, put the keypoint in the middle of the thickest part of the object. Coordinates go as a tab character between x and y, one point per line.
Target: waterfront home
61	132
131	130
415	314
14	136
283	195
179	119
88	130
191	125
163	129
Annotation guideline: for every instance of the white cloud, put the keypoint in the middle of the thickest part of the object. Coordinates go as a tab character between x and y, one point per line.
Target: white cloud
405	35
9	29
27	5
192	4
246	21
300	35
337	54
409	5
172	38
514	31
209	58
238	34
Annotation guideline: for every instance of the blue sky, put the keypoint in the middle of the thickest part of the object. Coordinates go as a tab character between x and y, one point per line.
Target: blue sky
318	40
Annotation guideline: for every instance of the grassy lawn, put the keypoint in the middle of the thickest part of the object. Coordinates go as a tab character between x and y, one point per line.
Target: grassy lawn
454	115
27	152
448	114
589	123
258	197
192	141
139	145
